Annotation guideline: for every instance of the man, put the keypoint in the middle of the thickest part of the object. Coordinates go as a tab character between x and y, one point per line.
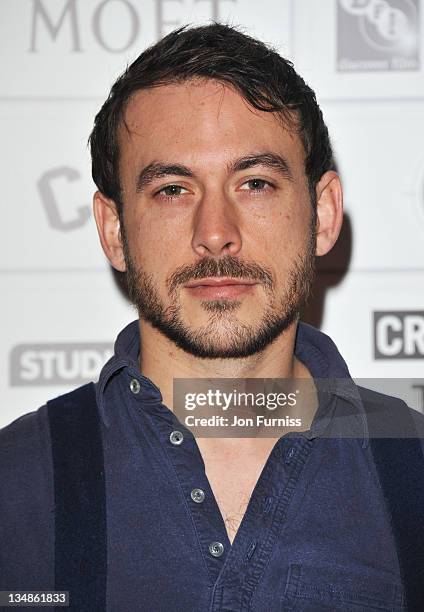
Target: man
216	190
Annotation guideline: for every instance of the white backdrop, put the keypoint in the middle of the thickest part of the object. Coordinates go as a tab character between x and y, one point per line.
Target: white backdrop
61	309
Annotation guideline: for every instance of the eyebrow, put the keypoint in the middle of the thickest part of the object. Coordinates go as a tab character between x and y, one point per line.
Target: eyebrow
158	169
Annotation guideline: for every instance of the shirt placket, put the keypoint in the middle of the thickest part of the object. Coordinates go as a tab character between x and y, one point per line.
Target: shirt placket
262	524
201	505
234	571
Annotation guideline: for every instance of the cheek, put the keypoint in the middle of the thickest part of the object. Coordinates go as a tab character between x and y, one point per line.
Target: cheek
152	251
141	235
285	232
156	225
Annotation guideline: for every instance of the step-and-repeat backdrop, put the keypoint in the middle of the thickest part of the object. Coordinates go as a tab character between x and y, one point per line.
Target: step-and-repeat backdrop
60	306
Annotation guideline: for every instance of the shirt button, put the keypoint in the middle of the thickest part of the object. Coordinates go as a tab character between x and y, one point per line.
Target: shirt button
135	386
216	549
197	495
176	437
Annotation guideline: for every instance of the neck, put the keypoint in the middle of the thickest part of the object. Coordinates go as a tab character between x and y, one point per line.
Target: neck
162	361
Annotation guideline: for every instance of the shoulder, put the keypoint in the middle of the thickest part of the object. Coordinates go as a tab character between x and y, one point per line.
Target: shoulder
26	502
25	444
375	399
27	491
391	416
24	454
23	437
26	488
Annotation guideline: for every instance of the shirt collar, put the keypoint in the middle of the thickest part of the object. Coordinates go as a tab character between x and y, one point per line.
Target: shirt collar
313	348
332	378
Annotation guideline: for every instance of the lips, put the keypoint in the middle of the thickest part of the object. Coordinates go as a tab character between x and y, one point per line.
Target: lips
219	288
218	282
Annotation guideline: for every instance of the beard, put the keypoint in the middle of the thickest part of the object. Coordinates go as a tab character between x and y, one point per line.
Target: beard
224	336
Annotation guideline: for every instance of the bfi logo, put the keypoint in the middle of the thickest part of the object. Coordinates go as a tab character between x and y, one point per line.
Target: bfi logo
399	335
378	35
57	363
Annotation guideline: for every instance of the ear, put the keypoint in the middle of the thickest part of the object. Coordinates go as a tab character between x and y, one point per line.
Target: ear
109	229
329	211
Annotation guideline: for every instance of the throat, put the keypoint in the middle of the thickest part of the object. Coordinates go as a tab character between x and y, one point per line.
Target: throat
233	467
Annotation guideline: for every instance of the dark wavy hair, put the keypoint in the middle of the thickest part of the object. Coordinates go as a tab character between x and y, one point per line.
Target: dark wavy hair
217	51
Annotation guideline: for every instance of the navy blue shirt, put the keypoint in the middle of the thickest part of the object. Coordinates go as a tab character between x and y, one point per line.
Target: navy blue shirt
315	535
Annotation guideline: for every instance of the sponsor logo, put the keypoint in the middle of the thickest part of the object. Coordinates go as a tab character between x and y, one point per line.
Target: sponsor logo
67	20
399	335
57	363
377	35
63	18
62	177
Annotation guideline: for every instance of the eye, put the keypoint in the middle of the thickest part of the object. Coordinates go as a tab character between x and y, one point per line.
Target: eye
170	192
256	184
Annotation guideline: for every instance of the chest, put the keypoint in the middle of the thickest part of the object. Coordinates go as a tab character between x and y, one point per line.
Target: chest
232	499
315	514
232	482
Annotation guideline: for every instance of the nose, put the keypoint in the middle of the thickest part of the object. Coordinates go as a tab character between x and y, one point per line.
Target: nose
216	227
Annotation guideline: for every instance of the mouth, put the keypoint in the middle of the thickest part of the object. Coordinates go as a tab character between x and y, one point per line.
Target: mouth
216	288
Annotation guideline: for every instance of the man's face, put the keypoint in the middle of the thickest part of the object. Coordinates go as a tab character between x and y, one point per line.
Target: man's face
199	201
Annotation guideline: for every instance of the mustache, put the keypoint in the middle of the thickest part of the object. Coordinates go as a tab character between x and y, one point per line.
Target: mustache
226	266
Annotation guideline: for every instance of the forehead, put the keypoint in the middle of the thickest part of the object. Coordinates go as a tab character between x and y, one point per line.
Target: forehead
201	116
